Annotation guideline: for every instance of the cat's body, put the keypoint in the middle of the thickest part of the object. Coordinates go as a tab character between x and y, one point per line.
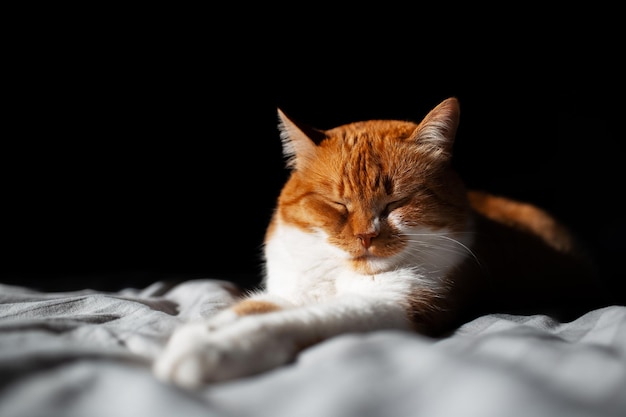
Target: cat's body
374	230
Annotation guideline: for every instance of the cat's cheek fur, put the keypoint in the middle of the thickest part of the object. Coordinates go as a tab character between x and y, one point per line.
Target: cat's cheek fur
437	252
301	266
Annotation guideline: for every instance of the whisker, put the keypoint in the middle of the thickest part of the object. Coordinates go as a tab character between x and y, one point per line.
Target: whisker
444	236
438	251
436	234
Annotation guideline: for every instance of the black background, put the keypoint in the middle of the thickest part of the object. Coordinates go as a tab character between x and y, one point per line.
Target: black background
144	148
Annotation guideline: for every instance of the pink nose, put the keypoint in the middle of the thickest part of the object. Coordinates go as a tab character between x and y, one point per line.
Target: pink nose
366	238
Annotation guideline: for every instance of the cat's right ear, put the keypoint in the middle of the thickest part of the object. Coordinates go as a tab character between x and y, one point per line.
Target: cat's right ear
299	140
436	133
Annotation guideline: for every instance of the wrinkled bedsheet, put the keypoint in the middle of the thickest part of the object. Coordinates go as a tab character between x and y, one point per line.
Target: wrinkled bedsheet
88	354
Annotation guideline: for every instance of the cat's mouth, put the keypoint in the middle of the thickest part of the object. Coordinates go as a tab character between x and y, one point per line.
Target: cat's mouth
369	263
366	257
371	252
369	257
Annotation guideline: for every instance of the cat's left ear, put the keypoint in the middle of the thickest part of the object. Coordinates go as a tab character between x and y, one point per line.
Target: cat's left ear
436	133
299	140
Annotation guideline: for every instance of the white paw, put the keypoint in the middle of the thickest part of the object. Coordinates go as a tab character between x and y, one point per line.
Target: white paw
200	353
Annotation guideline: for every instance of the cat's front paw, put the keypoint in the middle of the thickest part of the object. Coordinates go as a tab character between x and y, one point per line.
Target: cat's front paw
199	353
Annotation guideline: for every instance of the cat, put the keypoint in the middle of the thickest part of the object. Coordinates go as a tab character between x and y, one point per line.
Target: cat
372	230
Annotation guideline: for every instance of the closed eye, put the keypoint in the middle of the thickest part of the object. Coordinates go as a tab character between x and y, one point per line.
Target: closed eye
394	205
342	208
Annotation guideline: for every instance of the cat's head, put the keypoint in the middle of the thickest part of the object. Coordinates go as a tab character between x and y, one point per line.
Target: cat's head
383	192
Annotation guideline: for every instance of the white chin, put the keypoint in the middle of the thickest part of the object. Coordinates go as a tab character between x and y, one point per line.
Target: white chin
371	264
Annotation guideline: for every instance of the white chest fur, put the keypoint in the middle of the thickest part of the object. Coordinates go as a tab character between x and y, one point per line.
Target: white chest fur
302	267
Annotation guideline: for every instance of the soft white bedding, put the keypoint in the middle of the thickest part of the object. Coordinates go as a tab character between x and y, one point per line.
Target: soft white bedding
88	354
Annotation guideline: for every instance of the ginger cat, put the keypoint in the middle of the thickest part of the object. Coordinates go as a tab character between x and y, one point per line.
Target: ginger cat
375	230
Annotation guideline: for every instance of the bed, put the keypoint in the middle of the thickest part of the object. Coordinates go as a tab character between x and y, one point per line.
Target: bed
88	353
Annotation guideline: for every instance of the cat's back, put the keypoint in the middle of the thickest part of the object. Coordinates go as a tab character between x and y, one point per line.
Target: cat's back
524	217
530	262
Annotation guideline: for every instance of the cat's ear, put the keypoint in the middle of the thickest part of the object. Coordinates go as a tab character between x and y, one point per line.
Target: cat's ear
299	140
436	132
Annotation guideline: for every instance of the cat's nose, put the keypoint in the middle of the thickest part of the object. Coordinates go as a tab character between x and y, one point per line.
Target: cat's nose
366	238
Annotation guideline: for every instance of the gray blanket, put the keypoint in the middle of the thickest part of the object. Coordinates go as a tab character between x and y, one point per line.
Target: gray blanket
88	354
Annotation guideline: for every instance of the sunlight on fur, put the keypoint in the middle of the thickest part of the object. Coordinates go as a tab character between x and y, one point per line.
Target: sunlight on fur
375	230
